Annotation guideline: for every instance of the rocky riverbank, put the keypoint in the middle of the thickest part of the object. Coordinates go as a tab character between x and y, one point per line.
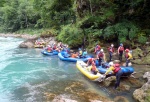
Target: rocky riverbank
140	57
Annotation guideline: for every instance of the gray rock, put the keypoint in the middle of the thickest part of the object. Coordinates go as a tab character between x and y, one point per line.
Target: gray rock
142	93
109	80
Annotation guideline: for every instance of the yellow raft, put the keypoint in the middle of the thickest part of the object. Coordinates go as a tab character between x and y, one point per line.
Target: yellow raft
39	46
85	70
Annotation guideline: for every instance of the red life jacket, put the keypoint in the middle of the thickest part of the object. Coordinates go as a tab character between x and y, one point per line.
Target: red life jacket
49	49
121	48
97	48
117	68
111	49
100	55
91	60
54	47
126	55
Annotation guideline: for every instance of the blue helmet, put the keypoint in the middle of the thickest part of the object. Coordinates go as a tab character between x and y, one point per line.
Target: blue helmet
121	44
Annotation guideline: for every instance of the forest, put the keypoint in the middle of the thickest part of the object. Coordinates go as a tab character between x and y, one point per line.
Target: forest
79	22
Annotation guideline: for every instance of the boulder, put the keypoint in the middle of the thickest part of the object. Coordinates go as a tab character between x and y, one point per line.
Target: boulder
143	60
137	53
27	44
143	94
109	80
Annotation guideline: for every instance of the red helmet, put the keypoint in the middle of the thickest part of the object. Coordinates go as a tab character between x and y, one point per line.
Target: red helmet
127	50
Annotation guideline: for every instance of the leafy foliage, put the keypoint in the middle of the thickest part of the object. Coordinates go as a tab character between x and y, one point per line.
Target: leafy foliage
111	20
71	35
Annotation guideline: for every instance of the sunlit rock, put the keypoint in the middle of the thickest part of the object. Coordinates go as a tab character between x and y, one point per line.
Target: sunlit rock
143	94
27	44
109	80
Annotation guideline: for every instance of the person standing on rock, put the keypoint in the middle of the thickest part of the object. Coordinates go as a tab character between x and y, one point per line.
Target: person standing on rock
101	57
97	49
120	51
115	68
111	51
128	57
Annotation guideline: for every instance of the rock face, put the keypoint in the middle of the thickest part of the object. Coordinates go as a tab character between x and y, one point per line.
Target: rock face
30	42
141	56
143	94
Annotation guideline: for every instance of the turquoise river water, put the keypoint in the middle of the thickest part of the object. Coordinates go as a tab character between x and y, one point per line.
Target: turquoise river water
28	76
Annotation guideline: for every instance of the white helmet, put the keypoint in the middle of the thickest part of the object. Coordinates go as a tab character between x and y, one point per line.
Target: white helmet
102	50
111	64
112	45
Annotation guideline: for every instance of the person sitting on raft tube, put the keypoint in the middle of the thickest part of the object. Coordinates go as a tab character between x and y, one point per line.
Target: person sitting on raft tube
90	60
128	56
74	55
49	48
101	57
93	68
115	68
80	53
84	53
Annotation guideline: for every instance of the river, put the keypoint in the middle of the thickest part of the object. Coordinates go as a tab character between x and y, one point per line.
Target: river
28	76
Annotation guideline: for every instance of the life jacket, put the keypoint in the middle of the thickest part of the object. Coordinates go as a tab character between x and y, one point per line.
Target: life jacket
93	68
54	47
111	49
49	49
91	60
117	68
126	55
100	55
97	48
121	48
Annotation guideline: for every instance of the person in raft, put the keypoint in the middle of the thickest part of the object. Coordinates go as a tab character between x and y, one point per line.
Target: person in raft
120	51
101	57
128	56
49	48
80	53
90	60
115	68
97	49
111	51
93	68
84	53
74	55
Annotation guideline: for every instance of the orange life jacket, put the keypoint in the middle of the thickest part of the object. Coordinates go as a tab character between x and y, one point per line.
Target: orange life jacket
93	68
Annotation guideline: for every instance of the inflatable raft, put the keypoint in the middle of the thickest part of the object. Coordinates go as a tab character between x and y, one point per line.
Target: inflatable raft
70	59
39	46
85	71
54	52
126	70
